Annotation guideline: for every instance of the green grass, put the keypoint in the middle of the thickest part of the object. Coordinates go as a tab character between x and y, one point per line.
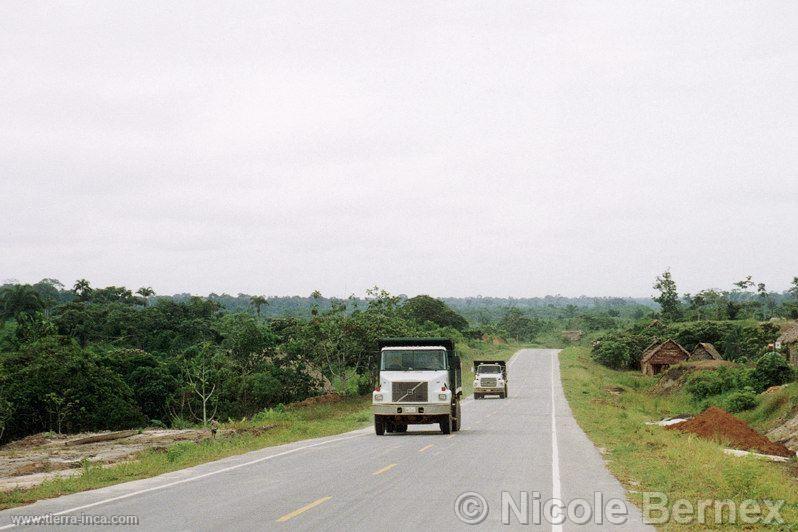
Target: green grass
652	459
773	409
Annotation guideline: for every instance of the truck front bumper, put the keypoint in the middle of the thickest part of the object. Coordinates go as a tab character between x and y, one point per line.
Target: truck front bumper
481	389
411	409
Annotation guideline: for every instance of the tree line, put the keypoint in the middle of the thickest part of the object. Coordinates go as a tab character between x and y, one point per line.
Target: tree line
85	358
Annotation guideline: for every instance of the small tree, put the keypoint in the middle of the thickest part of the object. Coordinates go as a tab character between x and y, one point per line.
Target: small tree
59	408
793	291
771	369
764	300
202	378
668	298
258	302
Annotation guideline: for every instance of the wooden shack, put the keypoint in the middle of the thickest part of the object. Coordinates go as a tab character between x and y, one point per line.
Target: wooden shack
789	341
705	351
572	336
659	357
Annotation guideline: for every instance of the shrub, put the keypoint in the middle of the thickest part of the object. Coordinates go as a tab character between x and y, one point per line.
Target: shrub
704	384
179	422
353	385
771	369
270	415
621	351
741	400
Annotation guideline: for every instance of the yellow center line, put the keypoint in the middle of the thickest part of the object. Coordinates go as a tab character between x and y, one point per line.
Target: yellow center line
305	508
430	446
384	469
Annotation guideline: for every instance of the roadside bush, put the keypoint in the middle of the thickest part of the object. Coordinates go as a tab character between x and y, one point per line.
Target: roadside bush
771	369
269	415
352	385
179	422
741	400
704	384
621	350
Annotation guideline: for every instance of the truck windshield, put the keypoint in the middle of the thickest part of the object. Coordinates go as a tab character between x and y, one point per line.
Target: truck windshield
413	360
489	369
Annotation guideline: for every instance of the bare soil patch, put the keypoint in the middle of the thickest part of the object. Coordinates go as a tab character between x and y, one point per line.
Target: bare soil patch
34	459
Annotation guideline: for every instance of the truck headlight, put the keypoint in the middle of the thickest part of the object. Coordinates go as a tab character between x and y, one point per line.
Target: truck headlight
378	397
476	383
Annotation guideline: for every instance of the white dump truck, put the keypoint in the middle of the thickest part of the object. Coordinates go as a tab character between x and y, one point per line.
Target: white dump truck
420	383
490	378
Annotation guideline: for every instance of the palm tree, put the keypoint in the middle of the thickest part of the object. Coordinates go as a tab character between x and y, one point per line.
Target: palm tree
82	288
145	292
258	302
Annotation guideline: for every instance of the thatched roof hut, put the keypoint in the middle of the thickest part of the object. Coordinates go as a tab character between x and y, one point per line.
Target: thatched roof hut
789	336
659	357
572	336
789	339
705	351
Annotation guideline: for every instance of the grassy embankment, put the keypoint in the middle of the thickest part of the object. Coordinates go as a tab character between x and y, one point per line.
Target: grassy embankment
612	408
289	425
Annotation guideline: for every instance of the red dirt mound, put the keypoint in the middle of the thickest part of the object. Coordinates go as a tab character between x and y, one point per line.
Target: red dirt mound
717	424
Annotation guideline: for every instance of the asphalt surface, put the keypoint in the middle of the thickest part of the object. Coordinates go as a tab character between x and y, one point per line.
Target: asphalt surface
528	443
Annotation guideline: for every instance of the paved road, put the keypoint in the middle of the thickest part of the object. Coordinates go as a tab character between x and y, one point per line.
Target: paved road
359	481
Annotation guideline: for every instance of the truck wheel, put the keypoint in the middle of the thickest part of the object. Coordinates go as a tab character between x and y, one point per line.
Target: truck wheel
458	420
505	392
446	424
379	425
390	426
477	396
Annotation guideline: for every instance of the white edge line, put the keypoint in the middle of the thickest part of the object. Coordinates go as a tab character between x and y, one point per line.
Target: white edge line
512	358
191	479
556	490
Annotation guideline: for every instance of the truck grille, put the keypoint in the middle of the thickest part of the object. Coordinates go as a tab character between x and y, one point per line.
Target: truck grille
489	382
409	392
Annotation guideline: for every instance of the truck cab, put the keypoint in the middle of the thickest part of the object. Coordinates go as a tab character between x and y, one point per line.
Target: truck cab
490	378
419	383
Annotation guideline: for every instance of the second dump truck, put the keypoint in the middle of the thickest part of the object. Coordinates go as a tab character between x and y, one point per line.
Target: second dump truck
490	378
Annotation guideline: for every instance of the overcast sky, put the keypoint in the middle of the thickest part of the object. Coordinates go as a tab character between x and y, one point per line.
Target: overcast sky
451	148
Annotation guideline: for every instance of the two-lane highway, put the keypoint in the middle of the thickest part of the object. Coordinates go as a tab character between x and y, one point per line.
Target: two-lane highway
528	443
